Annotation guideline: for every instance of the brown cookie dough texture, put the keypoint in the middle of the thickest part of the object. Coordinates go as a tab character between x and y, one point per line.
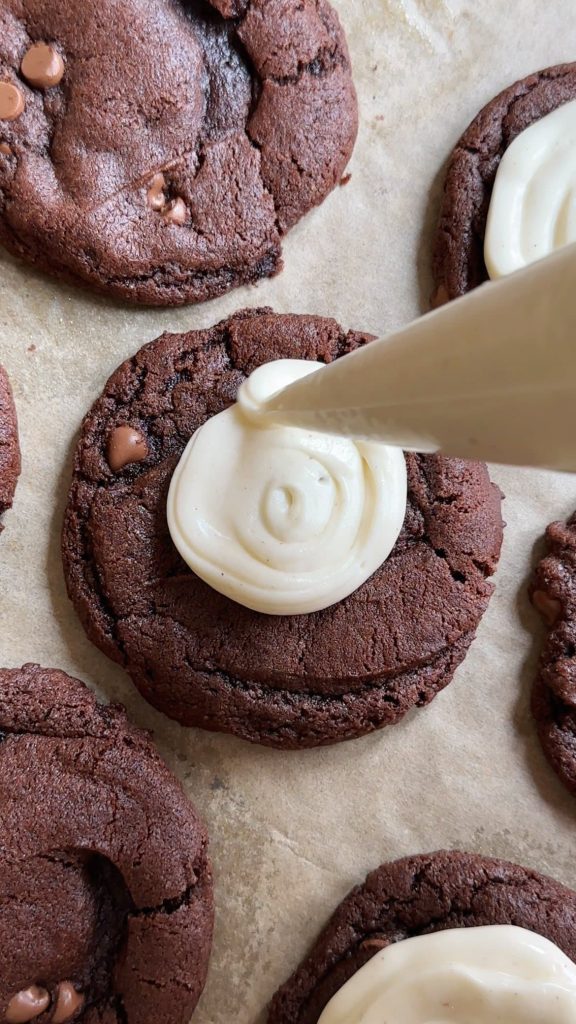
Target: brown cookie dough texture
160	149
291	681
415	896
105	887
459	247
553	593
9	447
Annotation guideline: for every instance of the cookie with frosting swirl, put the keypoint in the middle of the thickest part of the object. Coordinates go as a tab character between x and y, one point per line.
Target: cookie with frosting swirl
286	680
401	928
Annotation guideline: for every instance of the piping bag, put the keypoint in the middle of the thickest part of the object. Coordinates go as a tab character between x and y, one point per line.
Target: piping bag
490	376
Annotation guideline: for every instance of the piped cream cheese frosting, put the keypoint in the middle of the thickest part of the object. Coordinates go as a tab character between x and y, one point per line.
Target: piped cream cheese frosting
533	206
497	974
283	520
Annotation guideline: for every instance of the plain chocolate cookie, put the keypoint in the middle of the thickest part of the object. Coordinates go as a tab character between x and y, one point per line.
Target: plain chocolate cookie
292	681
105	887
415	896
459	247
553	593
159	149
9	447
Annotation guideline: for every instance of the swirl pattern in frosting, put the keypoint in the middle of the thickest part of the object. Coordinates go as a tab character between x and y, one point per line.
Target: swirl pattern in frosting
533	206
284	521
461	976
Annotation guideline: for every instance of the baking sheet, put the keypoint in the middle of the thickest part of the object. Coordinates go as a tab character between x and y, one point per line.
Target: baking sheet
292	832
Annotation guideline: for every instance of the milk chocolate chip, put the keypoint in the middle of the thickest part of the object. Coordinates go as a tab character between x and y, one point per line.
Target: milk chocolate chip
125	445
156	194
26	1005
12	101
68	1002
42	66
549	607
375	944
176	212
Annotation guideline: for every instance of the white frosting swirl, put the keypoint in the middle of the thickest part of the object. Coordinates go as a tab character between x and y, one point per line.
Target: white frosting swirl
533	206
493	975
282	520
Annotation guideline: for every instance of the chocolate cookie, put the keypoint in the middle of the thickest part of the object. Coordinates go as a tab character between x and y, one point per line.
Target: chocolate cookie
159	149
105	887
553	593
459	247
296	681
9	447
416	896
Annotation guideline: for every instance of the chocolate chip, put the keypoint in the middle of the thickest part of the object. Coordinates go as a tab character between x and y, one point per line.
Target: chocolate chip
125	445
27	1005
375	944
549	607
68	1002
156	192
12	101
5	149
42	66
176	212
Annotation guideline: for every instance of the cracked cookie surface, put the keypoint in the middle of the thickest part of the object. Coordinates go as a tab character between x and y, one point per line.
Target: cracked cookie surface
415	896
289	681
553	593
105	887
181	141
458	261
9	446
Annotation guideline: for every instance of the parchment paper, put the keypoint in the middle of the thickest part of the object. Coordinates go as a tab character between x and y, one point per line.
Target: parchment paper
292	832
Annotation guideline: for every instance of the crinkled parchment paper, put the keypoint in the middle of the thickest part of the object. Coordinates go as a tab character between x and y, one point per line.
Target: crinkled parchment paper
292	832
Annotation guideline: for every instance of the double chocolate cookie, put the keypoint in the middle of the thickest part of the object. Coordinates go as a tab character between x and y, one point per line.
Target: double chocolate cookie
285	681
553	593
105	887
416	896
159	149
9	447
459	248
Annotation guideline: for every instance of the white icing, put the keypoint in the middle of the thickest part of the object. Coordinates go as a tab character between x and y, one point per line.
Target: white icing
533	206
283	520
491	975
